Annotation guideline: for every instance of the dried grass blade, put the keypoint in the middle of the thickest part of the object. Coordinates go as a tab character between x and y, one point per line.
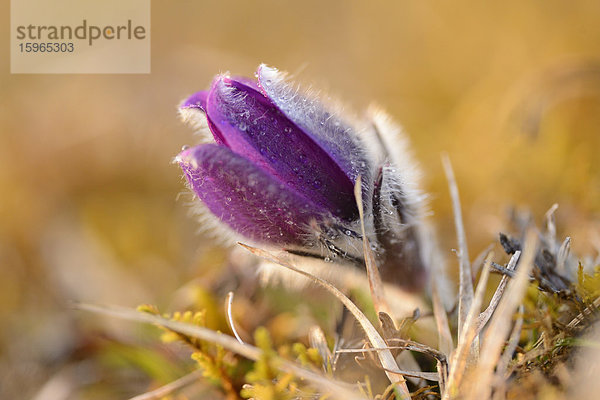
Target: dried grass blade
501	321
404	344
327	385
466	341
563	255
485	316
465	295
551	226
385	356
317	340
445	342
585	313
375	282
477	263
228	312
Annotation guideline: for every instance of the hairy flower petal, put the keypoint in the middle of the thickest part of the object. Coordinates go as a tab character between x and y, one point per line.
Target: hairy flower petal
252	126
247	198
197	100
196	103
338	137
283	168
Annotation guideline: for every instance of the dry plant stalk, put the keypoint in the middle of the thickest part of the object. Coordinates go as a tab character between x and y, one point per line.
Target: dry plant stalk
336	389
500	324
388	362
229	314
465	296
445	343
460	361
485	316
317	340
375	282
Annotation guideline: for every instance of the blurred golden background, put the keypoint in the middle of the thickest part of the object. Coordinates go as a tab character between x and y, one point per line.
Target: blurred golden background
89	205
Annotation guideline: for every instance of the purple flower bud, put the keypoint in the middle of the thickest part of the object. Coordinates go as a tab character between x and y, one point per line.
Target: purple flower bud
282	169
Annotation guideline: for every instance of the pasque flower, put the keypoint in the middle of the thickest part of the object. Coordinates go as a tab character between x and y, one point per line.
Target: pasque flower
280	171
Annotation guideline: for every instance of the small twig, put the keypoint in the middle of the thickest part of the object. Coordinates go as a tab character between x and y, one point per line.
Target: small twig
504	271
588	311
228	306
420	348
442	360
485	316
170	387
430	376
403	344
465	296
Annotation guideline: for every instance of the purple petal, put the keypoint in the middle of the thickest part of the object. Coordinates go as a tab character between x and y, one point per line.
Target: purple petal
254	128
196	103
245	197
197	100
338	137
251	83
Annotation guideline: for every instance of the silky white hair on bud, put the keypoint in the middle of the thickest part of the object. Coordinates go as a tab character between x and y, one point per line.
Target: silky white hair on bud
374	148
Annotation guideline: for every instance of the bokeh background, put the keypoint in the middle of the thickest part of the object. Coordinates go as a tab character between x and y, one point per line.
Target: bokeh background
90	205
